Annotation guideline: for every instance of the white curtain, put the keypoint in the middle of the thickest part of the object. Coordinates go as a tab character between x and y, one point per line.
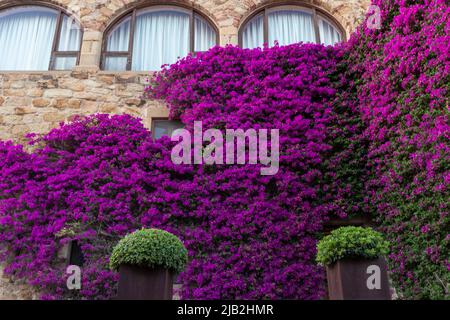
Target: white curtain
205	36
70	37
253	34
119	38
289	27
26	38
69	40
160	38
116	63
328	34
64	63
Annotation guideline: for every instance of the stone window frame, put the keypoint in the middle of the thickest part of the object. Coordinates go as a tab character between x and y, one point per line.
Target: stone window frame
61	12
317	13
132	13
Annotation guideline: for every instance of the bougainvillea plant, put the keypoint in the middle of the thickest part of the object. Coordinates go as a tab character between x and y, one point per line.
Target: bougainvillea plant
93	181
259	232
402	87
364	128
248	235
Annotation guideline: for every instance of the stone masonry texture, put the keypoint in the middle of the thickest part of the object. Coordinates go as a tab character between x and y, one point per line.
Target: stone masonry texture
38	101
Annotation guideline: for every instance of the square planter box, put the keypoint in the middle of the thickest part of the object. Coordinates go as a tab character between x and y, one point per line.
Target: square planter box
139	283
358	279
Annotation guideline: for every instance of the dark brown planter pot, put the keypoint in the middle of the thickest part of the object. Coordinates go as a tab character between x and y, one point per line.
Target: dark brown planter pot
140	283
358	279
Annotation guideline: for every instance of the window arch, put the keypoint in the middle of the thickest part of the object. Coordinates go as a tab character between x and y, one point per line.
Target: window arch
289	24
38	37
146	38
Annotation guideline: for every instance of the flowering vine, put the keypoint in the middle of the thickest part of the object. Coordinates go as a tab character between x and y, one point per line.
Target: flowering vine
364	129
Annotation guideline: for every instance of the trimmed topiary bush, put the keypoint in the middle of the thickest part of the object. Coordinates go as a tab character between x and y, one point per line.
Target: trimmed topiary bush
150	248
351	242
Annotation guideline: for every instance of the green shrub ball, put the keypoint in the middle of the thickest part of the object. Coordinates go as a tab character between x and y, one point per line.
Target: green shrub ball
351	242
150	248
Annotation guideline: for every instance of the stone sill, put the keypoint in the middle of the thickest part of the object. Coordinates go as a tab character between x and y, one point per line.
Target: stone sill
68	72
119	73
47	72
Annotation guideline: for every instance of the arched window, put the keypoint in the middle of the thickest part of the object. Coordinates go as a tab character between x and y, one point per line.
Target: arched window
289	24
38	38
145	39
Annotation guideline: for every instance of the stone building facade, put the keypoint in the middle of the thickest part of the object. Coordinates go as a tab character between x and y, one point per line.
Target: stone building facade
32	101
38	101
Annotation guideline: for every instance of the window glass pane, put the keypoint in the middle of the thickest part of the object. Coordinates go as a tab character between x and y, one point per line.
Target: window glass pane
329	35
26	38
289	27
119	37
253	34
160	131
65	63
165	127
116	63
160	38
76	254
70	38
205	36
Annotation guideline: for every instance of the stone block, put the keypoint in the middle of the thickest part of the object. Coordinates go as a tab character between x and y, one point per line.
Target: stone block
41	102
35	92
134	102
20	130
58	93
54	117
23	110
108	108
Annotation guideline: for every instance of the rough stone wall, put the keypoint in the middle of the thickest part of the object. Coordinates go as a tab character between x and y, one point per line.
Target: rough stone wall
39	101
11	289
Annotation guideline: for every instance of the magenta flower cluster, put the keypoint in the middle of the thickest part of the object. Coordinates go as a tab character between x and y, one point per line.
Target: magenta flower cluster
403	90
255	236
364	129
249	236
92	181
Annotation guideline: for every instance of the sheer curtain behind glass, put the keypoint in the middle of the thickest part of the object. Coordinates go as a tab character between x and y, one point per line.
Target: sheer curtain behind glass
119	38
70	37
288	27
253	34
26	38
328	34
70	40
118	41
160	38
205	36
